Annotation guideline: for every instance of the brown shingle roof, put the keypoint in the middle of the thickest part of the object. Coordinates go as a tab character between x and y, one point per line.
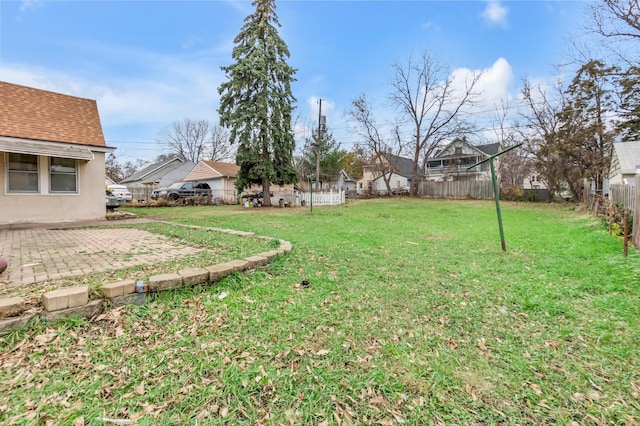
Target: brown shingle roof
225	169
36	114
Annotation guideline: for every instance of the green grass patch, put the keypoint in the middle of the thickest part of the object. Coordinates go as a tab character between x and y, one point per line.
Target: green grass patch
413	315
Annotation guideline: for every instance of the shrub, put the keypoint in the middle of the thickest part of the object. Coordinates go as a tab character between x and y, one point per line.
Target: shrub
512	193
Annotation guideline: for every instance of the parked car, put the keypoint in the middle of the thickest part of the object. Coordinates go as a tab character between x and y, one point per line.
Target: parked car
121	192
182	190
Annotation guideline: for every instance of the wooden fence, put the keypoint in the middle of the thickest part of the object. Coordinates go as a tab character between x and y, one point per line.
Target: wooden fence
624	194
479	189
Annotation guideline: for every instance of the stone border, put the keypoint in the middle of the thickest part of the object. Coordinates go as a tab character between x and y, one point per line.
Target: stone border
70	302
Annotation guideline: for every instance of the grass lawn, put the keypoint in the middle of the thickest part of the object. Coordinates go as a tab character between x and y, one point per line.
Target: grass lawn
413	315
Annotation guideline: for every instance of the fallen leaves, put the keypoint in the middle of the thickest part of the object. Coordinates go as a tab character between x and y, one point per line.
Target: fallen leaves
48	338
139	389
534	387
483	347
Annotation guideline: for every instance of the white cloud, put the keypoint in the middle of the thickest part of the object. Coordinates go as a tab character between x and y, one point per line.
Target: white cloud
495	81
159	88
29	4
495	14
304	129
328	107
492	86
492	90
133	107
430	26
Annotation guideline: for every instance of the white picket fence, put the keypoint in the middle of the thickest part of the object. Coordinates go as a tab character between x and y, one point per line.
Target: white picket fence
331	198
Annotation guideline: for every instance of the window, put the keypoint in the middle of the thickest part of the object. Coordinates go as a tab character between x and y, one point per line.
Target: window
458	150
63	174
23	173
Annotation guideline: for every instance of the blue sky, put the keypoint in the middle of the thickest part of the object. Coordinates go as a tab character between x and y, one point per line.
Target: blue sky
149	63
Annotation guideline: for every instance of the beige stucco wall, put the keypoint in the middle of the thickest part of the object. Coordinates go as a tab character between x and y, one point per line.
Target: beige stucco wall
88	204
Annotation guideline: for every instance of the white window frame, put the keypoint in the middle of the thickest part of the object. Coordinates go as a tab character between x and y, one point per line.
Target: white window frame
10	171
45	175
53	173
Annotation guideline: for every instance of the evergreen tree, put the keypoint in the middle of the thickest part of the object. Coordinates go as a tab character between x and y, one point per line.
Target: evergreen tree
584	138
256	102
629	126
330	156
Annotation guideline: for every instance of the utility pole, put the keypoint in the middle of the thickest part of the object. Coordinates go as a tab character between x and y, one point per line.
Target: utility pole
321	123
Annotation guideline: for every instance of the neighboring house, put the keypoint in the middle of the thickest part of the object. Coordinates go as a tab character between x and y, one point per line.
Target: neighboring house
625	162
533	180
157	175
52	157
398	170
221	177
534	187
344	182
452	162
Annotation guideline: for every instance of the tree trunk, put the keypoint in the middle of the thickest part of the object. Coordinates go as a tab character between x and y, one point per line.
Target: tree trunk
266	193
413	189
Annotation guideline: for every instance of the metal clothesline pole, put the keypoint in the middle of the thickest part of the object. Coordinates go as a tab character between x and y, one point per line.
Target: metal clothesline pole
496	193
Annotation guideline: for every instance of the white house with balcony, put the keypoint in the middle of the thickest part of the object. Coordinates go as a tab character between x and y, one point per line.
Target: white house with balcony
453	162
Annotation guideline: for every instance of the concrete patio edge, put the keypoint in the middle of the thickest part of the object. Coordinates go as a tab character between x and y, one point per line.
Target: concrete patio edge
74	301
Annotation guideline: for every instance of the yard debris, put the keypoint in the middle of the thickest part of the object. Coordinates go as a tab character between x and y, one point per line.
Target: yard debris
593	394
115	421
302	284
222	295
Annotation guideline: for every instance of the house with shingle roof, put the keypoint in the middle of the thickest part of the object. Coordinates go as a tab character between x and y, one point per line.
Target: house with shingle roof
52	157
397	170
454	160
220	176
157	175
625	163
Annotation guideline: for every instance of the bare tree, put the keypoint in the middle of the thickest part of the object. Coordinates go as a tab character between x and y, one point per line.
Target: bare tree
220	149
130	168
117	171
164	157
617	22
113	168
375	143
617	19
187	138
541	125
514	165
197	140
430	99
